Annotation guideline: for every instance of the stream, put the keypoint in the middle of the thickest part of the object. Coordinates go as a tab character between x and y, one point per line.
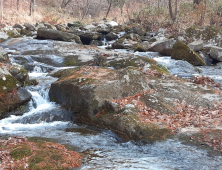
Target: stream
103	149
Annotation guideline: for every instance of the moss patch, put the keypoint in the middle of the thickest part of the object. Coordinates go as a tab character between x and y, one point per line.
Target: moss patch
8	84
123	64
20	153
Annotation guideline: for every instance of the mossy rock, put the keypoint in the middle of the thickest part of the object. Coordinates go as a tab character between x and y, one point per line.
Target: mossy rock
181	51
139	48
193	31
77	24
8	83
71	61
206	34
210	32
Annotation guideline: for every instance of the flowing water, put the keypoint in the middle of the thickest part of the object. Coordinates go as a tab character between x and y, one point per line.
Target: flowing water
103	149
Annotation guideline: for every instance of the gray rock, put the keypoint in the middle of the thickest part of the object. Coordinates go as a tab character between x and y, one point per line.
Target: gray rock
29	26
103	28
3	56
23	95
39	25
137	29
216	53
111	23
3	36
145	44
62	27
196	45
58	35
163	47
18	26
90	27
162	31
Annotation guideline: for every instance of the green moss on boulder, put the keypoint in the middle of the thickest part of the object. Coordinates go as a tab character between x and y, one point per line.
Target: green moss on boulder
181	51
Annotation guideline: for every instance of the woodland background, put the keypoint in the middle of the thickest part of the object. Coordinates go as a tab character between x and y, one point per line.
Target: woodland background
152	14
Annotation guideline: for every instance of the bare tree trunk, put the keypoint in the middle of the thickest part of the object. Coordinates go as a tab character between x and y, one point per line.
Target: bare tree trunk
87	9
32	7
110	4
2	11
18	5
173	16
64	4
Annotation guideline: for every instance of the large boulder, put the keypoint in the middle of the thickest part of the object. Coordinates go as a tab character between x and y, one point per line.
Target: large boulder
196	45
181	51
137	29
216	53
111	36
29	26
18	26
57	35
87	37
163	47
90	97
11	96
134	104
3	56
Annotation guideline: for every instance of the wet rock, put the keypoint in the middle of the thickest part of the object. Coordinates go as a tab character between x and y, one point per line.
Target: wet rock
29	26
181	51
111	36
58	35
3	56
216	53
196	45
163	47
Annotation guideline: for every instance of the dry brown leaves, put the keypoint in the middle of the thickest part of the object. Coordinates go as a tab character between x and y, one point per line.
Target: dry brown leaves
155	73
205	81
71	158
187	115
90	72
